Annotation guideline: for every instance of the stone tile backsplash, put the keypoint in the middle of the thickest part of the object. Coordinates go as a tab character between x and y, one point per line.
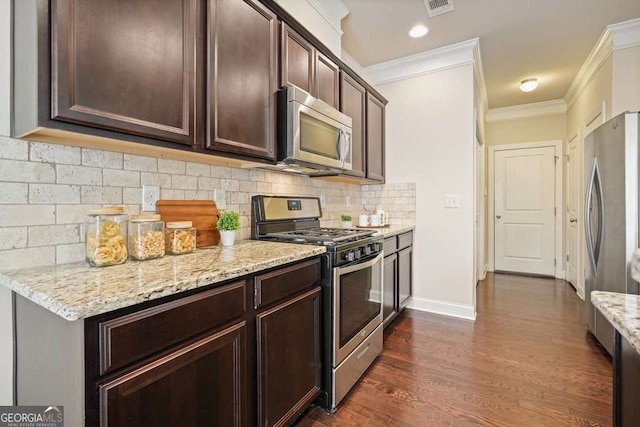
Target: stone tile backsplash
47	189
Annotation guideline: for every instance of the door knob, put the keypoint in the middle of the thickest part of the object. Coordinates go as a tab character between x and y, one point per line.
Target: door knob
573	220
498	216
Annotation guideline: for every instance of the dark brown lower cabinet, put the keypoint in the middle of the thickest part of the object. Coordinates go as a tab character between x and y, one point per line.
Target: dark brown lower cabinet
626	383
201	384
398	275
389	284
405	277
288	338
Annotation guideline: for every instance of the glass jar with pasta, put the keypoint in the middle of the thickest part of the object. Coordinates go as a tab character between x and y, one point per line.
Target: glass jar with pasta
146	237
180	237
106	237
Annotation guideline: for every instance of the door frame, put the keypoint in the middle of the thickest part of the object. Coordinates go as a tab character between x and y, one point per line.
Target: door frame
565	212
559	217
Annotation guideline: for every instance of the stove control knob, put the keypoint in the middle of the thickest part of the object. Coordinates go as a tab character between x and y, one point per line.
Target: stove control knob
378	247
349	256
368	249
358	253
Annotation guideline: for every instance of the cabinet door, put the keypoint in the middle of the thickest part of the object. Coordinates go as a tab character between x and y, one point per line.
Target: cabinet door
327	80
405	277
298	61
202	384
288	358
353	102
626	388
375	138
126	65
242	76
389	285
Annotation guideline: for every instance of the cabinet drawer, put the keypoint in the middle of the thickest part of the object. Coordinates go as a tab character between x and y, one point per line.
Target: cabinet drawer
130	338
279	284
405	240
390	245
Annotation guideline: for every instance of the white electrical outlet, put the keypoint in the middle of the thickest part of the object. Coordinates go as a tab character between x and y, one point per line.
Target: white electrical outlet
348	201
452	201
323	201
150	196
220	197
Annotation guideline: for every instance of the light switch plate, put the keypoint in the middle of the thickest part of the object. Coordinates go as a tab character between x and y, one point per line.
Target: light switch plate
150	196
452	201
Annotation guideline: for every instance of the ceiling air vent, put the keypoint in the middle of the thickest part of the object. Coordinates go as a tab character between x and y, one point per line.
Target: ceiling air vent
438	7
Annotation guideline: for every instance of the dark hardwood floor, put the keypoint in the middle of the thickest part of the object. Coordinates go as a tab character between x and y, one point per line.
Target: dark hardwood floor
526	361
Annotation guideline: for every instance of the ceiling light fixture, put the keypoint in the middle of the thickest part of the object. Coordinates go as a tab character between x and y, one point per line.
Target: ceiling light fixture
528	85
418	31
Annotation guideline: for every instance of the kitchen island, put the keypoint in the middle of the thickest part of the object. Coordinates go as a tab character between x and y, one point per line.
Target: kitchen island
142	339
623	311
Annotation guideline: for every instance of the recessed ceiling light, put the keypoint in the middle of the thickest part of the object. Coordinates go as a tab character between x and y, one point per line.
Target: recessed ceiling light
418	31
528	85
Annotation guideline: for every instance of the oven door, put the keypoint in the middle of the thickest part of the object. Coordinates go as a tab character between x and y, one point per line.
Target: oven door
357	304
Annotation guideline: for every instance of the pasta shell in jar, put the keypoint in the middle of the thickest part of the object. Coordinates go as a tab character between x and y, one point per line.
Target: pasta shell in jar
106	237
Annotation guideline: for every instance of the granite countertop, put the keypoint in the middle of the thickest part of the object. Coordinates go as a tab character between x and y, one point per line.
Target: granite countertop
392	230
623	311
77	291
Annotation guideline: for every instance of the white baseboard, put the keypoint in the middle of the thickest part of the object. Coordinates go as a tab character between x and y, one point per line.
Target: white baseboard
460	311
580	292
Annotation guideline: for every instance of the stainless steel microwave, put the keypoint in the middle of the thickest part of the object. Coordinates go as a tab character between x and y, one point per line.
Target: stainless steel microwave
313	137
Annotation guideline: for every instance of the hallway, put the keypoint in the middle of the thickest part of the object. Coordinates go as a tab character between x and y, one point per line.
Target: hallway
526	361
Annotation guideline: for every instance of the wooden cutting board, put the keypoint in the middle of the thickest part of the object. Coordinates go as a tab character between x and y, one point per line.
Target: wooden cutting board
203	213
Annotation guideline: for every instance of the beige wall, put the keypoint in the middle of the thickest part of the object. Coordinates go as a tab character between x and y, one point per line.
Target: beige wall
430	141
545	128
309	17
626	80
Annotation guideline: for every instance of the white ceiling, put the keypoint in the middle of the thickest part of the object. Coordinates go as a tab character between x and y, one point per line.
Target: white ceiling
547	39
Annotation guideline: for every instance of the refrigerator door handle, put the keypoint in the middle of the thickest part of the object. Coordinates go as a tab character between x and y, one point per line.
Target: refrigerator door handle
587	219
598	245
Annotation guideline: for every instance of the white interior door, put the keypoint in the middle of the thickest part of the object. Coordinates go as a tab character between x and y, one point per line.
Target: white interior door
524	183
573	218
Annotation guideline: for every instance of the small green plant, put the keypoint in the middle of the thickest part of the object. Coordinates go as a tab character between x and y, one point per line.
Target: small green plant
345	217
229	221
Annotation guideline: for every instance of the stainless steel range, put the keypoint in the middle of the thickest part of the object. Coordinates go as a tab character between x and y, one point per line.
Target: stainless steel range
351	282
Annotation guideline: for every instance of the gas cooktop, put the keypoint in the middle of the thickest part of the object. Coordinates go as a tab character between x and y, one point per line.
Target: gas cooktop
328	235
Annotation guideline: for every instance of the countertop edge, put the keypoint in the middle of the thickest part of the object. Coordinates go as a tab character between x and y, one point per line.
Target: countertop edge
617	318
70	313
394	230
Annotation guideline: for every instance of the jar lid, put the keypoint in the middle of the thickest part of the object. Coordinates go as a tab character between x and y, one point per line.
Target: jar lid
145	218
113	210
179	224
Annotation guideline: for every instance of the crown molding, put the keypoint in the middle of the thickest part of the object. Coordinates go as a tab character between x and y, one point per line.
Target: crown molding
332	11
625	34
352	62
527	111
597	57
478	71
426	62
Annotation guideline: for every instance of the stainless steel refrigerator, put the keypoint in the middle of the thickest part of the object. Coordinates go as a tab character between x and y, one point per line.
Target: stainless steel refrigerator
611	214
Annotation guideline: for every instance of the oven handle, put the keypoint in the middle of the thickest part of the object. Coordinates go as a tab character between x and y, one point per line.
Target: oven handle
360	266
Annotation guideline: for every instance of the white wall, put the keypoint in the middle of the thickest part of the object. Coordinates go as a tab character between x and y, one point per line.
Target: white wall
626	80
312	20
6	322
430	141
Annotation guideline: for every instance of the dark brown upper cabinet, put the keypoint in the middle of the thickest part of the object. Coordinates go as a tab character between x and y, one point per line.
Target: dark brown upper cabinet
303	66
353	98
298	61
242	78
126	66
327	80
375	138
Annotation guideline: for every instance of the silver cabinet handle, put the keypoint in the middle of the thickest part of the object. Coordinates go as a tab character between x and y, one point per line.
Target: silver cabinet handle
573	220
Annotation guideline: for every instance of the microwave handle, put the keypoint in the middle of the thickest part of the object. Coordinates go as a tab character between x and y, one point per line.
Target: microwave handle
345	150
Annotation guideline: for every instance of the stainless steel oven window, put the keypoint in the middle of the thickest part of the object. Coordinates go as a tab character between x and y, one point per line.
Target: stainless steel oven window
357	304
